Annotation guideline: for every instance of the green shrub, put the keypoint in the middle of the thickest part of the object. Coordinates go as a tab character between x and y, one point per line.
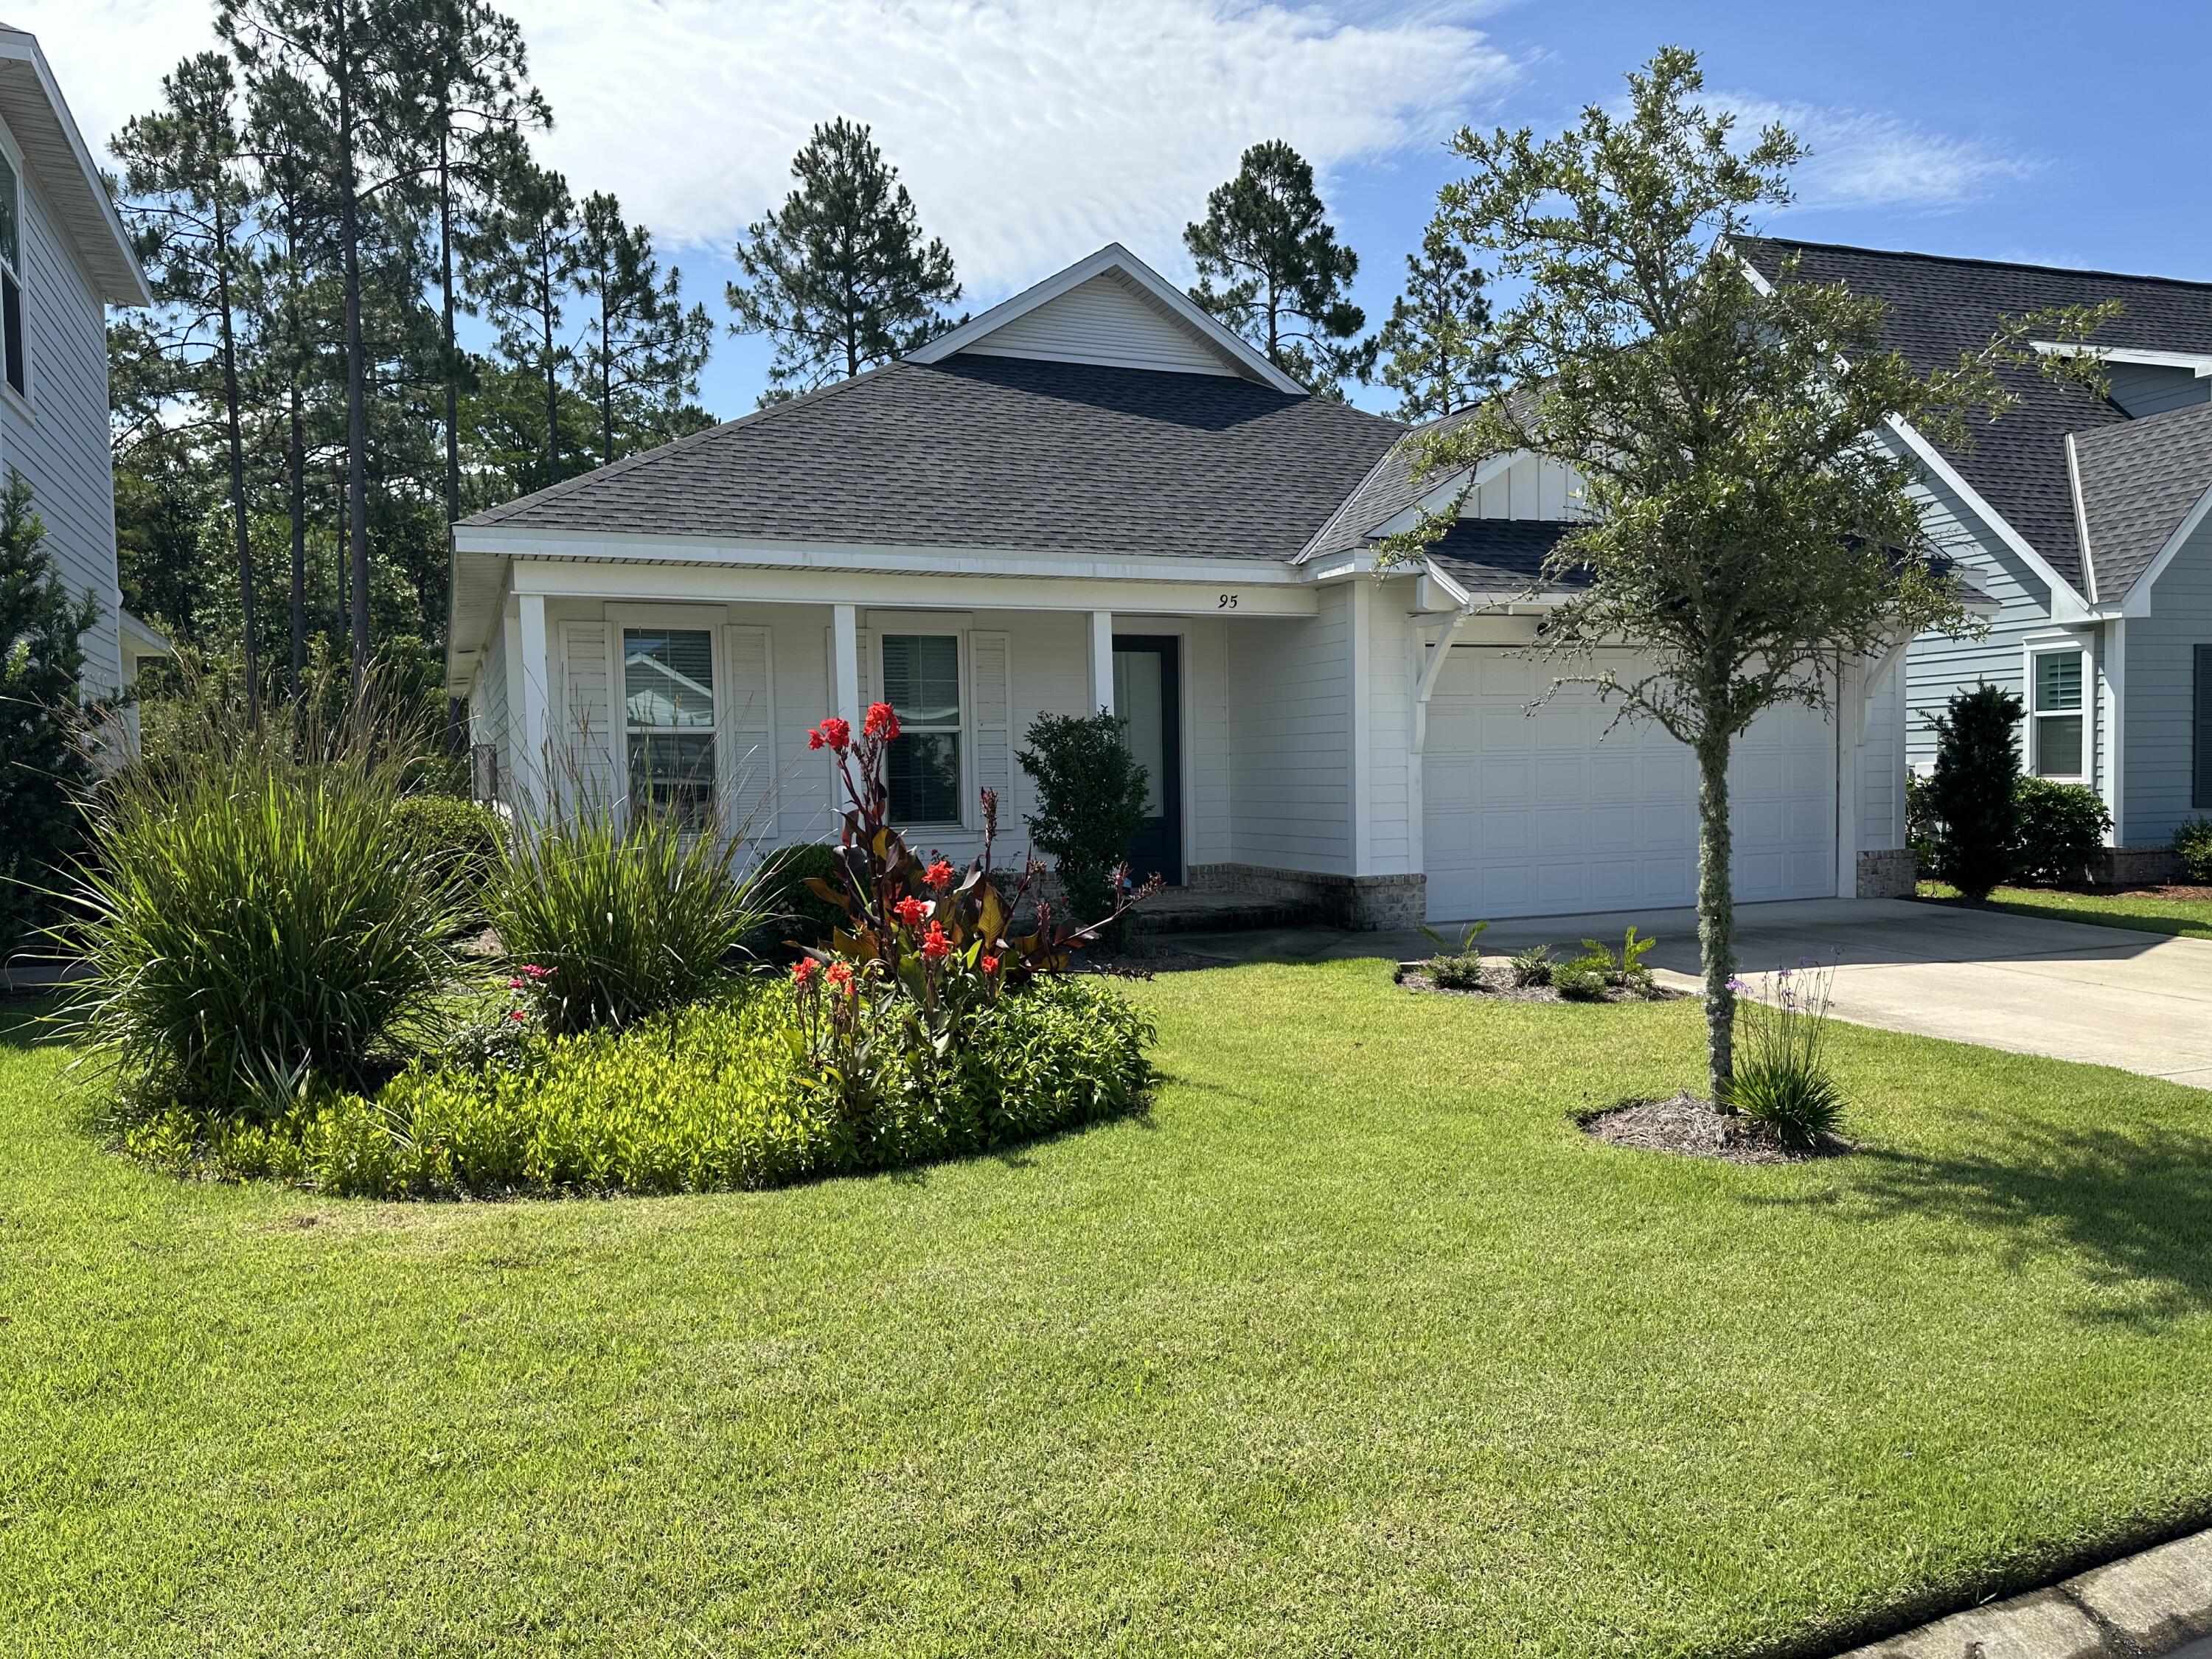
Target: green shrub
623	921
1970	792
1533	967
2192	843
793	910
1923	832
255	922
2059	829
460	841
713	1097
1626	971
1457	968
1090	803
1781	1076
1586	979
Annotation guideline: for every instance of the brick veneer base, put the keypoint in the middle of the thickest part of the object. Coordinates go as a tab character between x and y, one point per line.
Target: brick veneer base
2129	867
1364	903
1887	872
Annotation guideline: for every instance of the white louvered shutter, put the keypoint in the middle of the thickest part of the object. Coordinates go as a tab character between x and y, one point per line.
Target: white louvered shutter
746	745
991	683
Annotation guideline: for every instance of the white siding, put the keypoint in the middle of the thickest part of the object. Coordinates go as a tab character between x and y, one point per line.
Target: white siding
2160	699
488	709
1103	321
1205	682
61	446
1392	666
583	714
1530	488
1289	733
1881	764
745	746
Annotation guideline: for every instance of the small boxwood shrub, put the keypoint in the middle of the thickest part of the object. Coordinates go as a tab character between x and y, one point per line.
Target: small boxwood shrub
2192	843
2059	829
1583	979
720	1095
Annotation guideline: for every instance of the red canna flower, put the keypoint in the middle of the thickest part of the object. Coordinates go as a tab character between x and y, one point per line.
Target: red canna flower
882	721
833	733
990	964
935	947
516	1014
939	874
841	975
909	911
802	971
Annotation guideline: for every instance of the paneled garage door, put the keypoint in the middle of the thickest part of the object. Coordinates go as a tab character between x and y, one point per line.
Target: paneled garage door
1563	811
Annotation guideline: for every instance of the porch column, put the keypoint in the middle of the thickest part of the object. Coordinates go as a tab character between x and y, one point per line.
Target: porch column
1102	661
533	770
845	662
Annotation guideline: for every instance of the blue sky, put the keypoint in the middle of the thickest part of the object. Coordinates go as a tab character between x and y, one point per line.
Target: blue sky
1030	132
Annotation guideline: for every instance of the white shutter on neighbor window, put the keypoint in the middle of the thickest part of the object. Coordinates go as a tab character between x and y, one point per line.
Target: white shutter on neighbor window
745	760
991	685
583	715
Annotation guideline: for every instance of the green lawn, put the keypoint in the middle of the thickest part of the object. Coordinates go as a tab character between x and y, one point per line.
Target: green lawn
1354	1345
2191	917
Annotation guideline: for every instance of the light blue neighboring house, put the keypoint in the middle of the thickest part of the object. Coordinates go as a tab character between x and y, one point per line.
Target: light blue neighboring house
64	259
2084	519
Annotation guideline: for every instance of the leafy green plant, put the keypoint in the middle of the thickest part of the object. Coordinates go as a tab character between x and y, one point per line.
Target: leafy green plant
1923	831
1627	970
2060	828
794	912
1457	968
1533	967
1783	1079
1091	796
1586	979
621	920
2192	843
460	842
256	920
1971	791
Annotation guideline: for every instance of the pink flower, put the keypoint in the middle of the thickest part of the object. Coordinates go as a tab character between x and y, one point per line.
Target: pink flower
833	733
939	874
935	947
517	1015
882	721
515	984
909	911
535	972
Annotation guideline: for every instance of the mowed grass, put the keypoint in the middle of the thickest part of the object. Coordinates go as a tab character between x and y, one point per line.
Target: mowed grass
1355	1344
2145	913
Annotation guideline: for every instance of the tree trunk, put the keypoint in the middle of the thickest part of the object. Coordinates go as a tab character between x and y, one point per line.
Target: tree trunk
1717	914
356	378
296	479
606	383
231	421
449	352
552	380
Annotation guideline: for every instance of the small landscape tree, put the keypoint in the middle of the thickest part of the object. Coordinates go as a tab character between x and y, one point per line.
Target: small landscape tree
1743	530
1971	793
1090	802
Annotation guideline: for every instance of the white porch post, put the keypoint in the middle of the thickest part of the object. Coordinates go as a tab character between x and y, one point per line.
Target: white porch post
845	662
1102	661
533	764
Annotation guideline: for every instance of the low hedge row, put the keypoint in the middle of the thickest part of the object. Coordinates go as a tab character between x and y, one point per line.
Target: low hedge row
713	1097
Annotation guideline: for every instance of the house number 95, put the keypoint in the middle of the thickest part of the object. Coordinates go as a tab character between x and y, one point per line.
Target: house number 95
1228	602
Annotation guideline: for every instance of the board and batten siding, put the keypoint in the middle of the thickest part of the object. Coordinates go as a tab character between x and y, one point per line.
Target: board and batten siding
2160	705
1290	730
60	444
1530	488
1103	321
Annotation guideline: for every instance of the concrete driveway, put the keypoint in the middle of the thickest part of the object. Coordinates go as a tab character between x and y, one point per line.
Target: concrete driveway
2106	996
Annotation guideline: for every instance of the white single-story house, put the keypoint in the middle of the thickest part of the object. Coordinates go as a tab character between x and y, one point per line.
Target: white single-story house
2085	520
1095	496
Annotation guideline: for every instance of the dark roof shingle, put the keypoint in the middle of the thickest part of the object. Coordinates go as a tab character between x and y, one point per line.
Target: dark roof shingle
998	452
2139	482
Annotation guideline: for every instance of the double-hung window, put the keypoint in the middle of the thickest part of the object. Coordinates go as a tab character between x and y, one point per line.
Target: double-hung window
922	682
11	283
668	715
2057	737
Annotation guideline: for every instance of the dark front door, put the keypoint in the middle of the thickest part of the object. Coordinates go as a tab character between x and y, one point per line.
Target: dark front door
1148	694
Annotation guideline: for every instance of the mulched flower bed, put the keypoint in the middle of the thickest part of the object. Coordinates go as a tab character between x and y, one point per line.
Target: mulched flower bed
1497	982
1687	1124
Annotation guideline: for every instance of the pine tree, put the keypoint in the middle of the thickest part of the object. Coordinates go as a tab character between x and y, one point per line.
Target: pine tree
643	349
1270	267
1436	349
523	267
840	276
191	197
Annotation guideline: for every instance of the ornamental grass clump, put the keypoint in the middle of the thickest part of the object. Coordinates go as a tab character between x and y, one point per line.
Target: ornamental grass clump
255	921
1783	1078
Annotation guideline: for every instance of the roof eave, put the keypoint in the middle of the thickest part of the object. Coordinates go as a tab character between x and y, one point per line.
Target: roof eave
92	221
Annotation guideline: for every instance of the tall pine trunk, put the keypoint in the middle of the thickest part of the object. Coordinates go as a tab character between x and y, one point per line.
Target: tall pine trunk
1716	912
606	382
356	372
295	499
449	359
231	418
552	374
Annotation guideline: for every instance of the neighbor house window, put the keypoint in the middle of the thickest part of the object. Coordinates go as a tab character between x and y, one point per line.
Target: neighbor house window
921	682
668	712
11	266
2057	734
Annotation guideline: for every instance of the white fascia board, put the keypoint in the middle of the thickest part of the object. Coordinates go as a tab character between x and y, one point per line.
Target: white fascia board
117	262
1233	350
2066	601
1454	489
2136	601
614	547
2080	516
2197	362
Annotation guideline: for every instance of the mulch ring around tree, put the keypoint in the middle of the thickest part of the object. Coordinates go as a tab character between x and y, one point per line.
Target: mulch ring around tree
1688	1124
1497	982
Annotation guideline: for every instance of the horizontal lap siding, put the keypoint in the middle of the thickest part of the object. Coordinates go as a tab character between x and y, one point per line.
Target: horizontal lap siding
2146	389
1289	726
2161	694
1391	672
1881	764
1102	321
62	447
1206	690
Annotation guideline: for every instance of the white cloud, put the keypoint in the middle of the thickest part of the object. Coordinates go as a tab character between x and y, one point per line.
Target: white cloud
1030	131
1873	159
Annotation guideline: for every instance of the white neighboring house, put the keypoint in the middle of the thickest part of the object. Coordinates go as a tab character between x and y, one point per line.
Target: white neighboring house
1093	495
64	259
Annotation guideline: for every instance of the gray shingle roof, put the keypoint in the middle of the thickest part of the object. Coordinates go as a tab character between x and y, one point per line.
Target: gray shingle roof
2139	482
1501	555
1387	490
999	453
1939	307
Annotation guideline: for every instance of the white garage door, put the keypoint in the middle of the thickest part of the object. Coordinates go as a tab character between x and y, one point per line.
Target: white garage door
1563	811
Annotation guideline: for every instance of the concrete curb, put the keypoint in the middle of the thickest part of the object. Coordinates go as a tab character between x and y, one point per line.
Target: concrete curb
2143	1608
